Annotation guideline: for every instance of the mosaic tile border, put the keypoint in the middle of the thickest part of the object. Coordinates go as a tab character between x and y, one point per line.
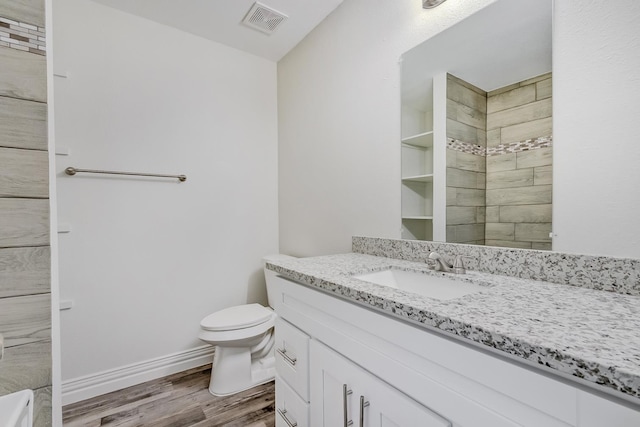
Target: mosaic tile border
466	147
516	147
512	147
22	36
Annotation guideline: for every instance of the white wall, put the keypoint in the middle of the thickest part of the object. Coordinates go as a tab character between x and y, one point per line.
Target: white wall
339	122
147	259
596	155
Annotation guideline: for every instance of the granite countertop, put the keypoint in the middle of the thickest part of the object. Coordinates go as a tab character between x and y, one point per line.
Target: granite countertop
590	334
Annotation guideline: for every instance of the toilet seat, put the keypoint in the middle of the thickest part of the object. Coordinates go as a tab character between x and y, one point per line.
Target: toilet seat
238	317
237	337
237	326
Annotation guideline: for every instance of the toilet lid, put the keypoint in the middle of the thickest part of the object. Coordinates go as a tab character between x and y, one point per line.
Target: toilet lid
238	317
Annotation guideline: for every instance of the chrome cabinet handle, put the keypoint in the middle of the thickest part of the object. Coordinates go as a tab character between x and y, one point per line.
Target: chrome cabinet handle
345	393
363	405
283	414
283	353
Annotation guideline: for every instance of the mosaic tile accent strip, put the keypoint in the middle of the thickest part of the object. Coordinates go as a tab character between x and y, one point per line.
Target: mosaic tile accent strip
584	333
22	36
516	147
466	147
619	275
513	147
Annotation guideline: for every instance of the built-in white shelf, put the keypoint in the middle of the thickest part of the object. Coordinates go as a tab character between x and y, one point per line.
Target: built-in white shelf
417	167
417	217
418	178
424	140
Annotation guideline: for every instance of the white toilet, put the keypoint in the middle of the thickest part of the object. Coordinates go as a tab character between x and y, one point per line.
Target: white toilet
243	336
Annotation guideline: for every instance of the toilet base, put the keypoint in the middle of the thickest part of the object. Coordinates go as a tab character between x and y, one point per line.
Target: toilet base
233	370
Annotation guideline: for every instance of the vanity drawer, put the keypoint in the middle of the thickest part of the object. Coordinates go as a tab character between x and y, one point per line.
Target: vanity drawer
292	357
290	408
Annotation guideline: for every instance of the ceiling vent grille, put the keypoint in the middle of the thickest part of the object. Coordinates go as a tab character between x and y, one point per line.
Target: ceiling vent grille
263	18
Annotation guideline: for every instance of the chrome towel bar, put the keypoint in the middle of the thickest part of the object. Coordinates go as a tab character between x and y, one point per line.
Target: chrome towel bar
73	171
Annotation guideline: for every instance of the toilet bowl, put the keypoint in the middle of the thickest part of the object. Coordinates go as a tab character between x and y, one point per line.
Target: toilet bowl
243	340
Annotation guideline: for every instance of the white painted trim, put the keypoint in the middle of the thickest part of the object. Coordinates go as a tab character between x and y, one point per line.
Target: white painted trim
86	387
56	353
440	157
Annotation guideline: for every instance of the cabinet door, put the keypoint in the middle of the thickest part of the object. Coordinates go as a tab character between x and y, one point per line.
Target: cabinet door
388	407
344	394
595	411
331	381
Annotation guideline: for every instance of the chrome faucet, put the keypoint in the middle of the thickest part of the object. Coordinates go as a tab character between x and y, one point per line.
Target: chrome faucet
441	264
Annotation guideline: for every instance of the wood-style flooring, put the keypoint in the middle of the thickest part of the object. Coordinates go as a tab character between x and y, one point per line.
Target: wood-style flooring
179	400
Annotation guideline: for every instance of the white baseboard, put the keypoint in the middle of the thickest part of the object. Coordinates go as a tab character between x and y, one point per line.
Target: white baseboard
88	386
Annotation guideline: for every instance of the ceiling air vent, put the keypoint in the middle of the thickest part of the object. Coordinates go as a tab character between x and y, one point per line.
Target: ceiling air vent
263	18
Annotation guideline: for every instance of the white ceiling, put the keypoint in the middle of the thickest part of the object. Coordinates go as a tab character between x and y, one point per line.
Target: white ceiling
219	20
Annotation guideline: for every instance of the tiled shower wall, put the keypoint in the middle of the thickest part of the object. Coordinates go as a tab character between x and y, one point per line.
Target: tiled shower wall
499	141
25	291
519	165
466	165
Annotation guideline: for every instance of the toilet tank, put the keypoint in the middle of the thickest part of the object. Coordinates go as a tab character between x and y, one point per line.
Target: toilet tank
269	275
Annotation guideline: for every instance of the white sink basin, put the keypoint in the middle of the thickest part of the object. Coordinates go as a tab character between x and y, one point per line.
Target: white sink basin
16	409
429	285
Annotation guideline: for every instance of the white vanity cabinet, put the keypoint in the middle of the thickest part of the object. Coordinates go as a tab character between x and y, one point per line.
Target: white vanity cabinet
349	395
411	376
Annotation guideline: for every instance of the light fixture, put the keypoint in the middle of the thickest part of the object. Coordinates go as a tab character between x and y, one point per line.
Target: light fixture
429	4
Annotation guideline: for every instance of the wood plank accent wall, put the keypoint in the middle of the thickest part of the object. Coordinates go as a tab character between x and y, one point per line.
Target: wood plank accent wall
23	124
25	263
22	74
29	11
519	186
503	196
466	121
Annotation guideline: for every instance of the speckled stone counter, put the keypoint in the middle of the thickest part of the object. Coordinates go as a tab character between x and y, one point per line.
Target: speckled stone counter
621	275
590	334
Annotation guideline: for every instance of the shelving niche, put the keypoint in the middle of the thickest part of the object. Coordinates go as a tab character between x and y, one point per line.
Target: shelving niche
417	169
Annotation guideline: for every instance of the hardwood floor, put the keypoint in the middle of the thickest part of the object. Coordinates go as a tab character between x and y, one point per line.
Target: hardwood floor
179	400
